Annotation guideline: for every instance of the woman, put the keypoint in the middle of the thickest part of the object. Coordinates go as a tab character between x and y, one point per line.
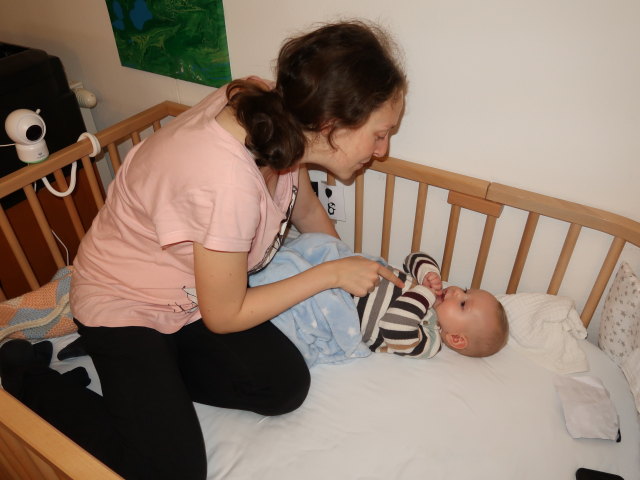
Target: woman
160	283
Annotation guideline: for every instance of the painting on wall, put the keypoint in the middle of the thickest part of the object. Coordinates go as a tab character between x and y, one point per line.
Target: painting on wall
184	39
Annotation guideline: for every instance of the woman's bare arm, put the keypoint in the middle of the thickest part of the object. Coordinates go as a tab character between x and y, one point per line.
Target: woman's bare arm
227	305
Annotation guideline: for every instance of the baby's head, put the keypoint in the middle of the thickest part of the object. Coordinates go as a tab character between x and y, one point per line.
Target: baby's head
472	322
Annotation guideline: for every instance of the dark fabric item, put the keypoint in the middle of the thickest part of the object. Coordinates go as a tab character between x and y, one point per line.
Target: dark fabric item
17	357
74	349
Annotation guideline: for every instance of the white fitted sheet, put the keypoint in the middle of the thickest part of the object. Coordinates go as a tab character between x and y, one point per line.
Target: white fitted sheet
449	417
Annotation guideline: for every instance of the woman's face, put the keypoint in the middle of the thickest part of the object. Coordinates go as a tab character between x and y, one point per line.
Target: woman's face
355	147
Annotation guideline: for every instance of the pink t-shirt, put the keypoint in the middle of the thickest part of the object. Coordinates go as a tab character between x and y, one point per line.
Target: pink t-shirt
190	181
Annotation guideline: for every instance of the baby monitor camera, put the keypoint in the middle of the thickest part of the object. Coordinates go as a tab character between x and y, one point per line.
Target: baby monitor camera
27	129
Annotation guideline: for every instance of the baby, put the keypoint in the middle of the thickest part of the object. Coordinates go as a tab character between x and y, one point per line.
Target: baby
415	320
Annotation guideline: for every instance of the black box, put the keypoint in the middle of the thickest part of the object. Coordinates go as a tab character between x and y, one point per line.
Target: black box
32	79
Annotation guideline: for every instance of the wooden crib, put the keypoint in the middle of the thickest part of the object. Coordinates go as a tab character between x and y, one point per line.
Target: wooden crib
31	448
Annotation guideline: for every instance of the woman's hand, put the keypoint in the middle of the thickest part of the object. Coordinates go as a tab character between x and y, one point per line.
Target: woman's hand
359	276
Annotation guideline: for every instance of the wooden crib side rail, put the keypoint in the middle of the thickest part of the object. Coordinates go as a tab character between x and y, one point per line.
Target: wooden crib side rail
30	448
489	199
57	160
571	212
621	230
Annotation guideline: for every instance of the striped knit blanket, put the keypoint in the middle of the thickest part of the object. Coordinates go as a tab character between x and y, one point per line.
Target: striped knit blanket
41	313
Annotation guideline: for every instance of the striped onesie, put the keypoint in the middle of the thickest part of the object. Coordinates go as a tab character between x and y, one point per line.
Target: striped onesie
399	320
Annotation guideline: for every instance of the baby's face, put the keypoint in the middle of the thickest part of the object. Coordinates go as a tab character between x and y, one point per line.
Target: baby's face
459	311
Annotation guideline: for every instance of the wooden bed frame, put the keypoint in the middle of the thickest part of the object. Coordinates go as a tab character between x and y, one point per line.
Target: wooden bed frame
31	448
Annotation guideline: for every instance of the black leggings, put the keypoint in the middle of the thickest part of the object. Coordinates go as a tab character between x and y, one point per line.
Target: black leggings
145	425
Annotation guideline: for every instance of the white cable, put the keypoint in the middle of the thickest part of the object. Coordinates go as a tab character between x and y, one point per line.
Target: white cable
96	150
8	145
61	243
72	185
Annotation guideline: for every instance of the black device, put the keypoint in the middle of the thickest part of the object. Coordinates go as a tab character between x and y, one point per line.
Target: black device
588	474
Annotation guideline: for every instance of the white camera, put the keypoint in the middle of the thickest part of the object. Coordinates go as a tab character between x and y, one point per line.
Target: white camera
27	129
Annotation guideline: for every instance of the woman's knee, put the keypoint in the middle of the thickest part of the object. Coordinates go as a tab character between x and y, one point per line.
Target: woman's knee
288	393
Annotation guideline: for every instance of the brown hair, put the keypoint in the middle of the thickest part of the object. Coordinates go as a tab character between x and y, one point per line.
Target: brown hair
334	76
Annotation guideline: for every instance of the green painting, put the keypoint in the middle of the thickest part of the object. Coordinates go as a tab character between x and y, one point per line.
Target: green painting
184	39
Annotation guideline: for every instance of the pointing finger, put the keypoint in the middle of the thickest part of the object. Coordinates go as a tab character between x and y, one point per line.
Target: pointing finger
389	275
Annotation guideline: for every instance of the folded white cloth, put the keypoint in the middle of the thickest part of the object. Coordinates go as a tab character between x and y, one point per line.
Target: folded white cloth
588	409
547	329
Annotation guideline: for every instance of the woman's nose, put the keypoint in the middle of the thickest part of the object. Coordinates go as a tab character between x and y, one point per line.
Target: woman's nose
382	148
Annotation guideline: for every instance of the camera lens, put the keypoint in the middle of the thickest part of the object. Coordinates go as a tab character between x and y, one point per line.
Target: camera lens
34	132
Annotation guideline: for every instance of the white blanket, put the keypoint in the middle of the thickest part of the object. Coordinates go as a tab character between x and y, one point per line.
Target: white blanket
547	329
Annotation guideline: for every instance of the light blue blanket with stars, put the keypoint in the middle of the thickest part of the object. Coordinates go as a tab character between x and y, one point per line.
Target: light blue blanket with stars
325	327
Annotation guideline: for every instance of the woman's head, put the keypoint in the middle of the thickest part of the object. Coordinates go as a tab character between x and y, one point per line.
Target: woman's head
337	75
327	80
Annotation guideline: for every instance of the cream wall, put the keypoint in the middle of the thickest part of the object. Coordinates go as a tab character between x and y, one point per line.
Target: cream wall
539	94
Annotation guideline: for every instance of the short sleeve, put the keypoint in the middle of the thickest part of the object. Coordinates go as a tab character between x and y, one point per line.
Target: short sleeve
221	218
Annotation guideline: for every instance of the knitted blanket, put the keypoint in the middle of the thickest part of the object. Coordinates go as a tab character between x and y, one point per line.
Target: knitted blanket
41	313
325	327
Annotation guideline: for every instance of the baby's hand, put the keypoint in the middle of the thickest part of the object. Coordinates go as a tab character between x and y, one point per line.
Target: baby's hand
433	282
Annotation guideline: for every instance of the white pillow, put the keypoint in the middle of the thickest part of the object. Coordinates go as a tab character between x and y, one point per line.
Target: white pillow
547	329
619	333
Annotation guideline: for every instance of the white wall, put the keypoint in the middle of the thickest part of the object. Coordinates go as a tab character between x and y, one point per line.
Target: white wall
539	94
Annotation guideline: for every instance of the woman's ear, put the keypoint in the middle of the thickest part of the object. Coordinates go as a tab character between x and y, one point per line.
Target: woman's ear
327	127
459	342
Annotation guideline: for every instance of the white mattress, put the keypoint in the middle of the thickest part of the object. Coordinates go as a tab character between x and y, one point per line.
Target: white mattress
449	417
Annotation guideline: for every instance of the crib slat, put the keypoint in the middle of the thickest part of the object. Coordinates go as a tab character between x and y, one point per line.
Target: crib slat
135	138
563	260
45	228
70	206
600	284
18	252
359	213
156	125
93	182
523	252
418	222
114	156
483	253
387	216
452	231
